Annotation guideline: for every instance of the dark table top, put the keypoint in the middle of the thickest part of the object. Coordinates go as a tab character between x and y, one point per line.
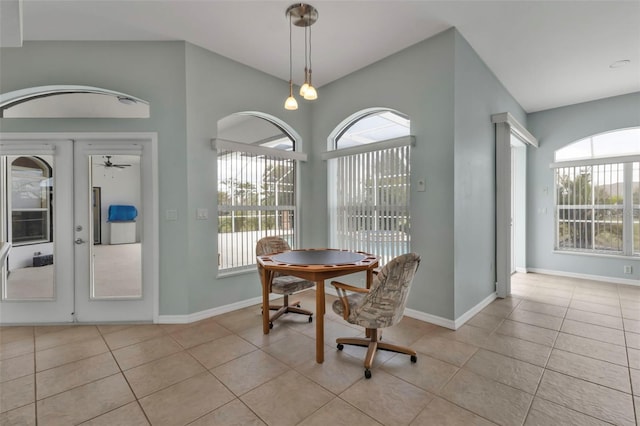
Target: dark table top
319	257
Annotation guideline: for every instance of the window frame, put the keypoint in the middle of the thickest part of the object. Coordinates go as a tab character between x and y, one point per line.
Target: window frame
47	211
220	145
630	165
335	153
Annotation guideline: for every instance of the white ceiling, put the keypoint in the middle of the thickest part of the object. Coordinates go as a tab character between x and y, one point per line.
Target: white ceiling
546	53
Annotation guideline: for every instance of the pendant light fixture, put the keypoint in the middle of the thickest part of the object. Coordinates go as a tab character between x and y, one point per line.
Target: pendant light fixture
302	15
291	103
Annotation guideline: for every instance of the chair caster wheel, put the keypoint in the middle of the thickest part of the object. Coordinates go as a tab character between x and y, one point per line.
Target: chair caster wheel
414	358
270	325
310	319
367	373
340	346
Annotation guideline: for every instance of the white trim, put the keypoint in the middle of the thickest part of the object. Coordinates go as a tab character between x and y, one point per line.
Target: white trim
219	144
612	280
459	322
79	135
503	209
21	95
506	126
208	313
595	161
375	146
522	270
9	148
434	319
431	319
518	129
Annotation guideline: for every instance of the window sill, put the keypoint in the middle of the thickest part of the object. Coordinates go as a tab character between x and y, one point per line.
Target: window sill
30	243
601	255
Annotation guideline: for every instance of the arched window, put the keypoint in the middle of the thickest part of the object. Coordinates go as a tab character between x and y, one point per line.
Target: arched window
257	186
30	200
370	180
71	101
597	194
376	126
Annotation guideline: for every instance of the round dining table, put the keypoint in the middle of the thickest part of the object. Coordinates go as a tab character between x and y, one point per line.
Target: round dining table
315	265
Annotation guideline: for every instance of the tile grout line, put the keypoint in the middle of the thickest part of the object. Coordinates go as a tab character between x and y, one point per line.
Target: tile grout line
626	345
144	413
544	369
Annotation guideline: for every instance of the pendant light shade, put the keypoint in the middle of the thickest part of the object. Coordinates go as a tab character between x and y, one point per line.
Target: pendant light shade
301	15
291	104
311	94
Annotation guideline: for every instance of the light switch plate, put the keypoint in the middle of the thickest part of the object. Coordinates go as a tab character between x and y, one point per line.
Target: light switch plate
422	186
202	214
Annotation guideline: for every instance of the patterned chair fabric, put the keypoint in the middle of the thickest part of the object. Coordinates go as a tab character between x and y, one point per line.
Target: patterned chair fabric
383	306
281	284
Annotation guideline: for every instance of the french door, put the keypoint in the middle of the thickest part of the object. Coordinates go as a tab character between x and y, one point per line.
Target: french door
56	194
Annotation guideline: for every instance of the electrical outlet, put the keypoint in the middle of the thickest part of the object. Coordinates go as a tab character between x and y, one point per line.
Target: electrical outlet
628	269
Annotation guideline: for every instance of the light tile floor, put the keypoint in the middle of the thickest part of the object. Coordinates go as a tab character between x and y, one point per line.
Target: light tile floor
560	351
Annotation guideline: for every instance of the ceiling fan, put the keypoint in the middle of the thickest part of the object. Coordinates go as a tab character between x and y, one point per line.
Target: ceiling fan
107	163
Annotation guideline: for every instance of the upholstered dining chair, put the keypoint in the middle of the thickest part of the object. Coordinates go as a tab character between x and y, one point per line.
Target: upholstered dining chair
379	307
283	284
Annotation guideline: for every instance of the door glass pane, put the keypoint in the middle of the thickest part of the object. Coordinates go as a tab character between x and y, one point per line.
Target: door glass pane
116	227
29	199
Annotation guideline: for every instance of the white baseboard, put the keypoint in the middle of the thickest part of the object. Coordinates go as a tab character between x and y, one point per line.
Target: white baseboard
459	322
625	281
442	322
432	319
412	313
208	313
521	270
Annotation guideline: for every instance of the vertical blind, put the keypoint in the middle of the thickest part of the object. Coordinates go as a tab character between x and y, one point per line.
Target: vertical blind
256	198
372	202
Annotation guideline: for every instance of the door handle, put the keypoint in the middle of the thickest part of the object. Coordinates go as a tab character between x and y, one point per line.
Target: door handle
79	241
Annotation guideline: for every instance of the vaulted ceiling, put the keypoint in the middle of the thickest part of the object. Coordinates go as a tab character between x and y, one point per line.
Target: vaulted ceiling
546	53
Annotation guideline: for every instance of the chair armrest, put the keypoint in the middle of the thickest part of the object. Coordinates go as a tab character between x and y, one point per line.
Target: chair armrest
342	286
342	289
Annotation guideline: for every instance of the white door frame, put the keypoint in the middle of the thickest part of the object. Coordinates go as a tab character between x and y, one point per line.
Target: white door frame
506	125
151	268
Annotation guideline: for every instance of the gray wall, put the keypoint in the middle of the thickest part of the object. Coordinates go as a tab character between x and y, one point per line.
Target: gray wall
556	128
478	95
449	95
419	82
